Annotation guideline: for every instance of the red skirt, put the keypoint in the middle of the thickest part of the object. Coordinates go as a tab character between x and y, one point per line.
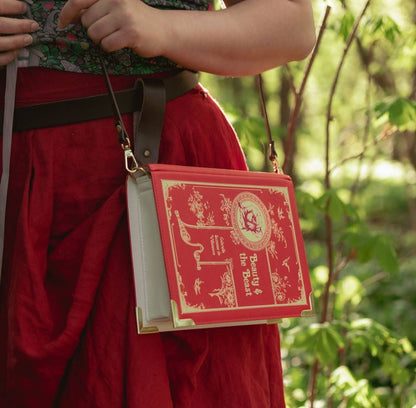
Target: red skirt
68	333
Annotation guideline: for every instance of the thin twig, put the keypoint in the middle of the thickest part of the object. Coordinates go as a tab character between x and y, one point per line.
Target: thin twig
366	135
291	79
340	267
290	139
289	151
312	382
335	84
359	155
375	278
328	221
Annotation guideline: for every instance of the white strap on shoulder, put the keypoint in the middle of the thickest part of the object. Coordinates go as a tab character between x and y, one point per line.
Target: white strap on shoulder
9	101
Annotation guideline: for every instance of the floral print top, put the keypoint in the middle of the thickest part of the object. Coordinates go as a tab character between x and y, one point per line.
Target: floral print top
72	50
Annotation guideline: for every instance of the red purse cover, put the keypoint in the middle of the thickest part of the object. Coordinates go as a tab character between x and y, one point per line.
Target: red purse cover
232	244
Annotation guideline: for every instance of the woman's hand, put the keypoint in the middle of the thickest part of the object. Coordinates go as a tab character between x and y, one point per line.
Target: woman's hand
14	32
116	24
250	36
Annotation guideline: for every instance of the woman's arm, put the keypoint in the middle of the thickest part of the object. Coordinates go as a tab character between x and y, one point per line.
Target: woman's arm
14	32
248	37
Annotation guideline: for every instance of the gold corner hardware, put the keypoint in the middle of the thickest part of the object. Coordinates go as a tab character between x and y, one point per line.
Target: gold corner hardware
274	321
140	328
177	322
310	312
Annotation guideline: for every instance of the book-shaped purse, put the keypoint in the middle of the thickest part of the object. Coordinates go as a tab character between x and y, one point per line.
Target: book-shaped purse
214	247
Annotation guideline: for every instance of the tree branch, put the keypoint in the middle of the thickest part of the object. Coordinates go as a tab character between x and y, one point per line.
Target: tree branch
373	143
328	221
290	139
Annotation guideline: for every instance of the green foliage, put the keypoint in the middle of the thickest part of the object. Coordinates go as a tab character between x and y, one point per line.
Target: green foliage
362	343
250	130
337	209
365	245
384	25
346	25
323	340
356	393
400	112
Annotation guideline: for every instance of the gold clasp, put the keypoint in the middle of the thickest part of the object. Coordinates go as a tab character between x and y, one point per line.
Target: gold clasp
130	161
276	166
273	158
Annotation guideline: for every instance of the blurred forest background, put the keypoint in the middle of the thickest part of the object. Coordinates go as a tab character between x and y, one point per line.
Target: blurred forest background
344	122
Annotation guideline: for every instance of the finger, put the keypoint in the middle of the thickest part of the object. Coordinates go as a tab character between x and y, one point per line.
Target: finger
113	42
8	57
72	11
14	42
120	38
92	15
12	7
15	26
100	28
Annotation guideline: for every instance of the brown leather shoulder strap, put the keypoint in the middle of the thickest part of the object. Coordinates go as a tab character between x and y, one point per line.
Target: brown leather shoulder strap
148	121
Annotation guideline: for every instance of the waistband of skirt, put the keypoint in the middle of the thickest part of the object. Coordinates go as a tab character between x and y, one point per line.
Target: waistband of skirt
94	106
37	85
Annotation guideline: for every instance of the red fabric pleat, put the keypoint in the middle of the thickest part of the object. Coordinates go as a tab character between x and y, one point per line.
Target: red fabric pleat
68	335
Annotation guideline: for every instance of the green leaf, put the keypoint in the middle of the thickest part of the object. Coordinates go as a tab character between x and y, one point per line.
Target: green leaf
355	393
365	250
406	345
386	255
352	213
303	335
393	367
367	246
305	203
343	378
321	201
251	129
401	377
323	340
330	201
336	207
328	343
359	344
387	27
369	331
401	112
347	22
361	242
